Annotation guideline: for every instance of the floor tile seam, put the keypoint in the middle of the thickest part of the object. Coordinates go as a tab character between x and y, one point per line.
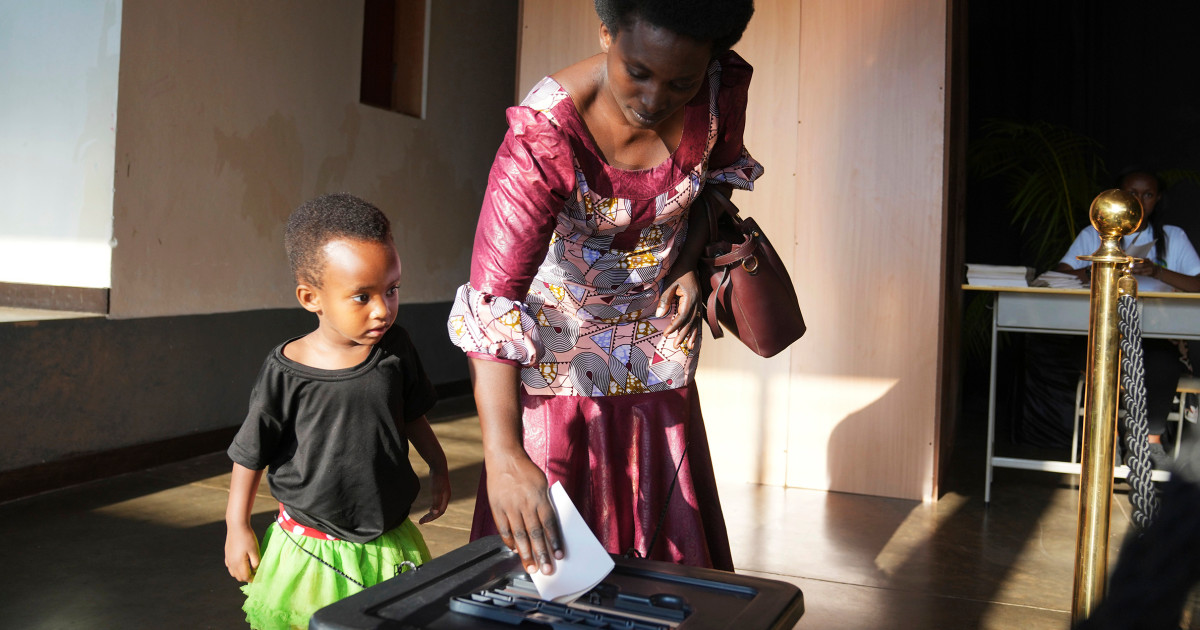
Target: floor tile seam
912	591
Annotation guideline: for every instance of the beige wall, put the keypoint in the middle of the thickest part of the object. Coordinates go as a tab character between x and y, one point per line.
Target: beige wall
847	112
231	113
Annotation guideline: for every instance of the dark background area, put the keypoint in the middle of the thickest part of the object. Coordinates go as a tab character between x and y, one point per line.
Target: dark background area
1126	74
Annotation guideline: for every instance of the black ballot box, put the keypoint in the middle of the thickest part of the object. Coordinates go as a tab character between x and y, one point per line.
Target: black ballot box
482	585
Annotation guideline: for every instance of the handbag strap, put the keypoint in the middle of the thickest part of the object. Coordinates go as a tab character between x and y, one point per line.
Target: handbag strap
718	204
710	308
740	252
710	211
713	197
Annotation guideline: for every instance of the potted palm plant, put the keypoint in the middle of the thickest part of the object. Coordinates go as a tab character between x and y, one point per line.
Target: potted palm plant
1052	174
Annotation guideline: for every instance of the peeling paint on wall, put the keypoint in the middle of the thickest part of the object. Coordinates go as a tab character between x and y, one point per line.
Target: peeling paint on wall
270	161
237	112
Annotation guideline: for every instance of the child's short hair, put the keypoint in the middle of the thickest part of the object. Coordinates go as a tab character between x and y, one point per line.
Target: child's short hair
326	218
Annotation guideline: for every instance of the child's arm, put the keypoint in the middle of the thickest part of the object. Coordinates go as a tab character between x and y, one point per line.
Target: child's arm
241	545
422	438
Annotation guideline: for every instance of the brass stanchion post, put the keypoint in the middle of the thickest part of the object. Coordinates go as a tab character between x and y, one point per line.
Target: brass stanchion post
1114	213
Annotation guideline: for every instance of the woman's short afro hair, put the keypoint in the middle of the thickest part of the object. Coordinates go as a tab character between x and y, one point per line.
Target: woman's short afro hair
721	22
328	218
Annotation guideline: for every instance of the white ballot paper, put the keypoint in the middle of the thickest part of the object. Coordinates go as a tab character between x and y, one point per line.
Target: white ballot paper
1140	250
585	562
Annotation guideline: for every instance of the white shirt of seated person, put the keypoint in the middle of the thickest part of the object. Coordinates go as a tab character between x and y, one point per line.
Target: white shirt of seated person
1181	256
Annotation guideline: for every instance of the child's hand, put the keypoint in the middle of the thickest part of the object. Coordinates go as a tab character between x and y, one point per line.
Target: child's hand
241	553
439	482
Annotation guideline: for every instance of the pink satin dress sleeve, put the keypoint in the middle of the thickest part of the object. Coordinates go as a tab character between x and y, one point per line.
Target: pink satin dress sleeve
528	184
729	162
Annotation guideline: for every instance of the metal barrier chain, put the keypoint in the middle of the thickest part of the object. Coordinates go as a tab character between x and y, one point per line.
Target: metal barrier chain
1144	497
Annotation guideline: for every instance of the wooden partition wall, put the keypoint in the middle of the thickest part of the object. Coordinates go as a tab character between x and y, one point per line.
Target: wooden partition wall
848	114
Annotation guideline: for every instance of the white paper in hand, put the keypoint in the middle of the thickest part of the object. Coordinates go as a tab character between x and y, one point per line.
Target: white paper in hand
585	562
1140	250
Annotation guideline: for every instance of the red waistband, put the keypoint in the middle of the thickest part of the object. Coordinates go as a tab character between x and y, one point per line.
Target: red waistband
285	521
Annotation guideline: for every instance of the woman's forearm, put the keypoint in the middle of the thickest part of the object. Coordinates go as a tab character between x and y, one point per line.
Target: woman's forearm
516	487
1185	283
693	247
497	398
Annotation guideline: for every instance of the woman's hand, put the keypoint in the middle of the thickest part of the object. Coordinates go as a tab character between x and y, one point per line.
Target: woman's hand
241	553
516	487
1174	279
683	294
1143	267
682	283
524	517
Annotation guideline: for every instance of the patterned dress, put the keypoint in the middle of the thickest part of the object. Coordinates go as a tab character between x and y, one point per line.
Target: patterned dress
566	273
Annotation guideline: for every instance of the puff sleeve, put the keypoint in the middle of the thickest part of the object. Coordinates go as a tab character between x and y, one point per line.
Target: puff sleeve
530	180
729	162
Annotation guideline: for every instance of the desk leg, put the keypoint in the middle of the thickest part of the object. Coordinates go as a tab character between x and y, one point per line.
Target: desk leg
991	428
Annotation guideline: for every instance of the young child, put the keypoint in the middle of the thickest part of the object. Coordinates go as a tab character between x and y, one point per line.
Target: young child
330	418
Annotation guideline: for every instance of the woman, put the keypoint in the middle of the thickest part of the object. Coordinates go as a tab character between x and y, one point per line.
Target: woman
1167	262
580	319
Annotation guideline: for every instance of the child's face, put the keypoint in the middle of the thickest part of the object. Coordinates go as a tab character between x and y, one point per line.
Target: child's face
359	292
1145	188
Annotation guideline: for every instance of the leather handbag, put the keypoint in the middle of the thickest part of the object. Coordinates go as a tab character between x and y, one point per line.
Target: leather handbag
744	285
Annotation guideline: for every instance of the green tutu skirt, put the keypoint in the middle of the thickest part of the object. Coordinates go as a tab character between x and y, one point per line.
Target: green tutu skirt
290	584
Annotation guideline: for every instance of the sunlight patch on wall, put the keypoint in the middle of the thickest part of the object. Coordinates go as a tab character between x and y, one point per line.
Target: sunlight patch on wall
762	426
820	403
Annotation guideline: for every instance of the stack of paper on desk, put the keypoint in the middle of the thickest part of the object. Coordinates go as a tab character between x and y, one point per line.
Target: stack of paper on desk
997	275
1058	280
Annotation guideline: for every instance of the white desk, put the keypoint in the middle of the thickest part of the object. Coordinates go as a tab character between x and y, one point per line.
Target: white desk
1066	312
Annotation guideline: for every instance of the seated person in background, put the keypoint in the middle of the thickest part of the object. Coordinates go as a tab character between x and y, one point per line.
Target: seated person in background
1169	263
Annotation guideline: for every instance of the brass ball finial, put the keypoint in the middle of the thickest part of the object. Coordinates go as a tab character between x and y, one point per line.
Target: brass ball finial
1115	213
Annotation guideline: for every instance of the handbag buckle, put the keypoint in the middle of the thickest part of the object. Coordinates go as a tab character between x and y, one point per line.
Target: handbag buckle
750	264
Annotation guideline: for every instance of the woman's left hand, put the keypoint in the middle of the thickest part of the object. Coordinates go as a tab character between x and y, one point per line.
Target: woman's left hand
684	295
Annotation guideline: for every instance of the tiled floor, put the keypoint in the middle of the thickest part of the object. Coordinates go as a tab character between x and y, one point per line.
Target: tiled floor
145	550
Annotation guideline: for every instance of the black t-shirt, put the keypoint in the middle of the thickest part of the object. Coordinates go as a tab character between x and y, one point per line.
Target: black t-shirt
334	440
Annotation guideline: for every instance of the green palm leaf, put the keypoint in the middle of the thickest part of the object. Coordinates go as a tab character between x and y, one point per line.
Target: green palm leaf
1052	173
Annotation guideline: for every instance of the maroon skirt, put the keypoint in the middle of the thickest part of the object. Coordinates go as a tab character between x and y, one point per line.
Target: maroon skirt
616	457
